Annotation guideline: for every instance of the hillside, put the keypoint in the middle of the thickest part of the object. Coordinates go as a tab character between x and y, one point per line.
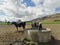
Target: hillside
52	18
49	18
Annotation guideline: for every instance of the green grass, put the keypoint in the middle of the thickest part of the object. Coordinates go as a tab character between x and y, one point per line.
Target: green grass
54	22
28	22
3	23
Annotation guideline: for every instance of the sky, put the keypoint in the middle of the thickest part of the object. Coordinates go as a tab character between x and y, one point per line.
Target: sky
27	10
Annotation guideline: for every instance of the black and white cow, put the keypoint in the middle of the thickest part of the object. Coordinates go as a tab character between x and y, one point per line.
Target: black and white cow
21	24
37	25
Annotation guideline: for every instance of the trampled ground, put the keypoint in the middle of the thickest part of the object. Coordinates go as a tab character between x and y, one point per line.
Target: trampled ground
9	33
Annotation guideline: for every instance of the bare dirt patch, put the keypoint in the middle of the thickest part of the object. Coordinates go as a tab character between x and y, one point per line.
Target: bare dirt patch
9	33
55	28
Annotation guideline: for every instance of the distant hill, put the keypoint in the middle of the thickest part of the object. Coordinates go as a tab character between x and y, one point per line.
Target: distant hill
54	17
49	18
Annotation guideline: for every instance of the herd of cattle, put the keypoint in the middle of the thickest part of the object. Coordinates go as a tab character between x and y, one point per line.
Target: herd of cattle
23	24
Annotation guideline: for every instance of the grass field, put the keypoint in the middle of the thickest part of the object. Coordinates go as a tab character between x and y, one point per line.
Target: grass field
9	33
44	22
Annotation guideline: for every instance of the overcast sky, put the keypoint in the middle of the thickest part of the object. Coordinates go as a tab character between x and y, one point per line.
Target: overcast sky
27	9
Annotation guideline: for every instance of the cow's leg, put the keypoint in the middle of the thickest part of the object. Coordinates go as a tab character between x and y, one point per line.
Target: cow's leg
23	27
17	28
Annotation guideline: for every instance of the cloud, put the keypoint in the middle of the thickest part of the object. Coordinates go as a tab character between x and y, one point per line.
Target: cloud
42	8
10	8
17	9
38	2
51	5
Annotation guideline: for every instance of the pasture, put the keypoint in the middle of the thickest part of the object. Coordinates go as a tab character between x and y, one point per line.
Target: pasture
8	33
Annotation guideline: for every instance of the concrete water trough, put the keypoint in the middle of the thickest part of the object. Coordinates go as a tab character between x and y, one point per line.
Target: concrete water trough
38	35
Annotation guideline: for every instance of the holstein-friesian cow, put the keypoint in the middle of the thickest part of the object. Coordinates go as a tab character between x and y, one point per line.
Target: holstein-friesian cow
21	24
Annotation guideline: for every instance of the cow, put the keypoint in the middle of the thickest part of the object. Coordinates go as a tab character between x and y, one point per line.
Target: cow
21	24
37	25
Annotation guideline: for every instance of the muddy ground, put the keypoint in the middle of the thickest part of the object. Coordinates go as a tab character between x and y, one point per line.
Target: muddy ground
8	33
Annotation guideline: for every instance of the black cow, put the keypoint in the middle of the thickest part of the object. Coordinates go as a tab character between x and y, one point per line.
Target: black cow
22	24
